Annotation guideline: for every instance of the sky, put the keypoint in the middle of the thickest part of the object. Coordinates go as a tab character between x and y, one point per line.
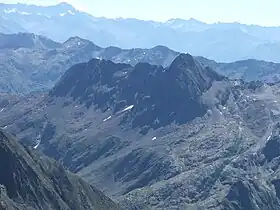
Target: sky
260	12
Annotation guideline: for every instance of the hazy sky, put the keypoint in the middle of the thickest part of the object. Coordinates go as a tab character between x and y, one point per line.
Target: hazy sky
262	12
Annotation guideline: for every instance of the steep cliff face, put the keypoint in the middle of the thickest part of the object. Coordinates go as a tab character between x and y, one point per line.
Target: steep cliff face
29	181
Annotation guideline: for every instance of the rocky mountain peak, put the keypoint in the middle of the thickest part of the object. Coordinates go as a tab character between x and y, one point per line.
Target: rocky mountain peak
190	73
159	95
162	49
65	5
77	43
184	60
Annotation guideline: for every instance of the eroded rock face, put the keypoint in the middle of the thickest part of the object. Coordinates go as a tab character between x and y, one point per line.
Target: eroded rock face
145	87
250	195
29	181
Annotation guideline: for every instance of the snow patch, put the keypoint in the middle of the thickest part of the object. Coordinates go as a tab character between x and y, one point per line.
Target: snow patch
127	108
10	10
79	43
269	137
236	83
235	159
71	12
244	30
39	138
2	110
38	143
62	14
25	13
108	118
275	101
44	15
154	138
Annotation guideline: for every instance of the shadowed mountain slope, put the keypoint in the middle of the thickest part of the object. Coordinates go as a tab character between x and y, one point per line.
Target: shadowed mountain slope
29	181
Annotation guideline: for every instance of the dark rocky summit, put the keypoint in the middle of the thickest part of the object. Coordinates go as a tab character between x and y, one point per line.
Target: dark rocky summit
30	181
143	88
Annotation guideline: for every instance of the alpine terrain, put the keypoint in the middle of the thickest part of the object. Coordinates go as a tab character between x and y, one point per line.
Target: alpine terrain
108	113
176	137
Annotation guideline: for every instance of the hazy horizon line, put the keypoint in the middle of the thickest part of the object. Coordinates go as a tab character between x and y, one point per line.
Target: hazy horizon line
147	20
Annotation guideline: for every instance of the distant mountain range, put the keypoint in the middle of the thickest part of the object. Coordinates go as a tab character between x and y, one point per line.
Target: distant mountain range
30	62
176	137
223	42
